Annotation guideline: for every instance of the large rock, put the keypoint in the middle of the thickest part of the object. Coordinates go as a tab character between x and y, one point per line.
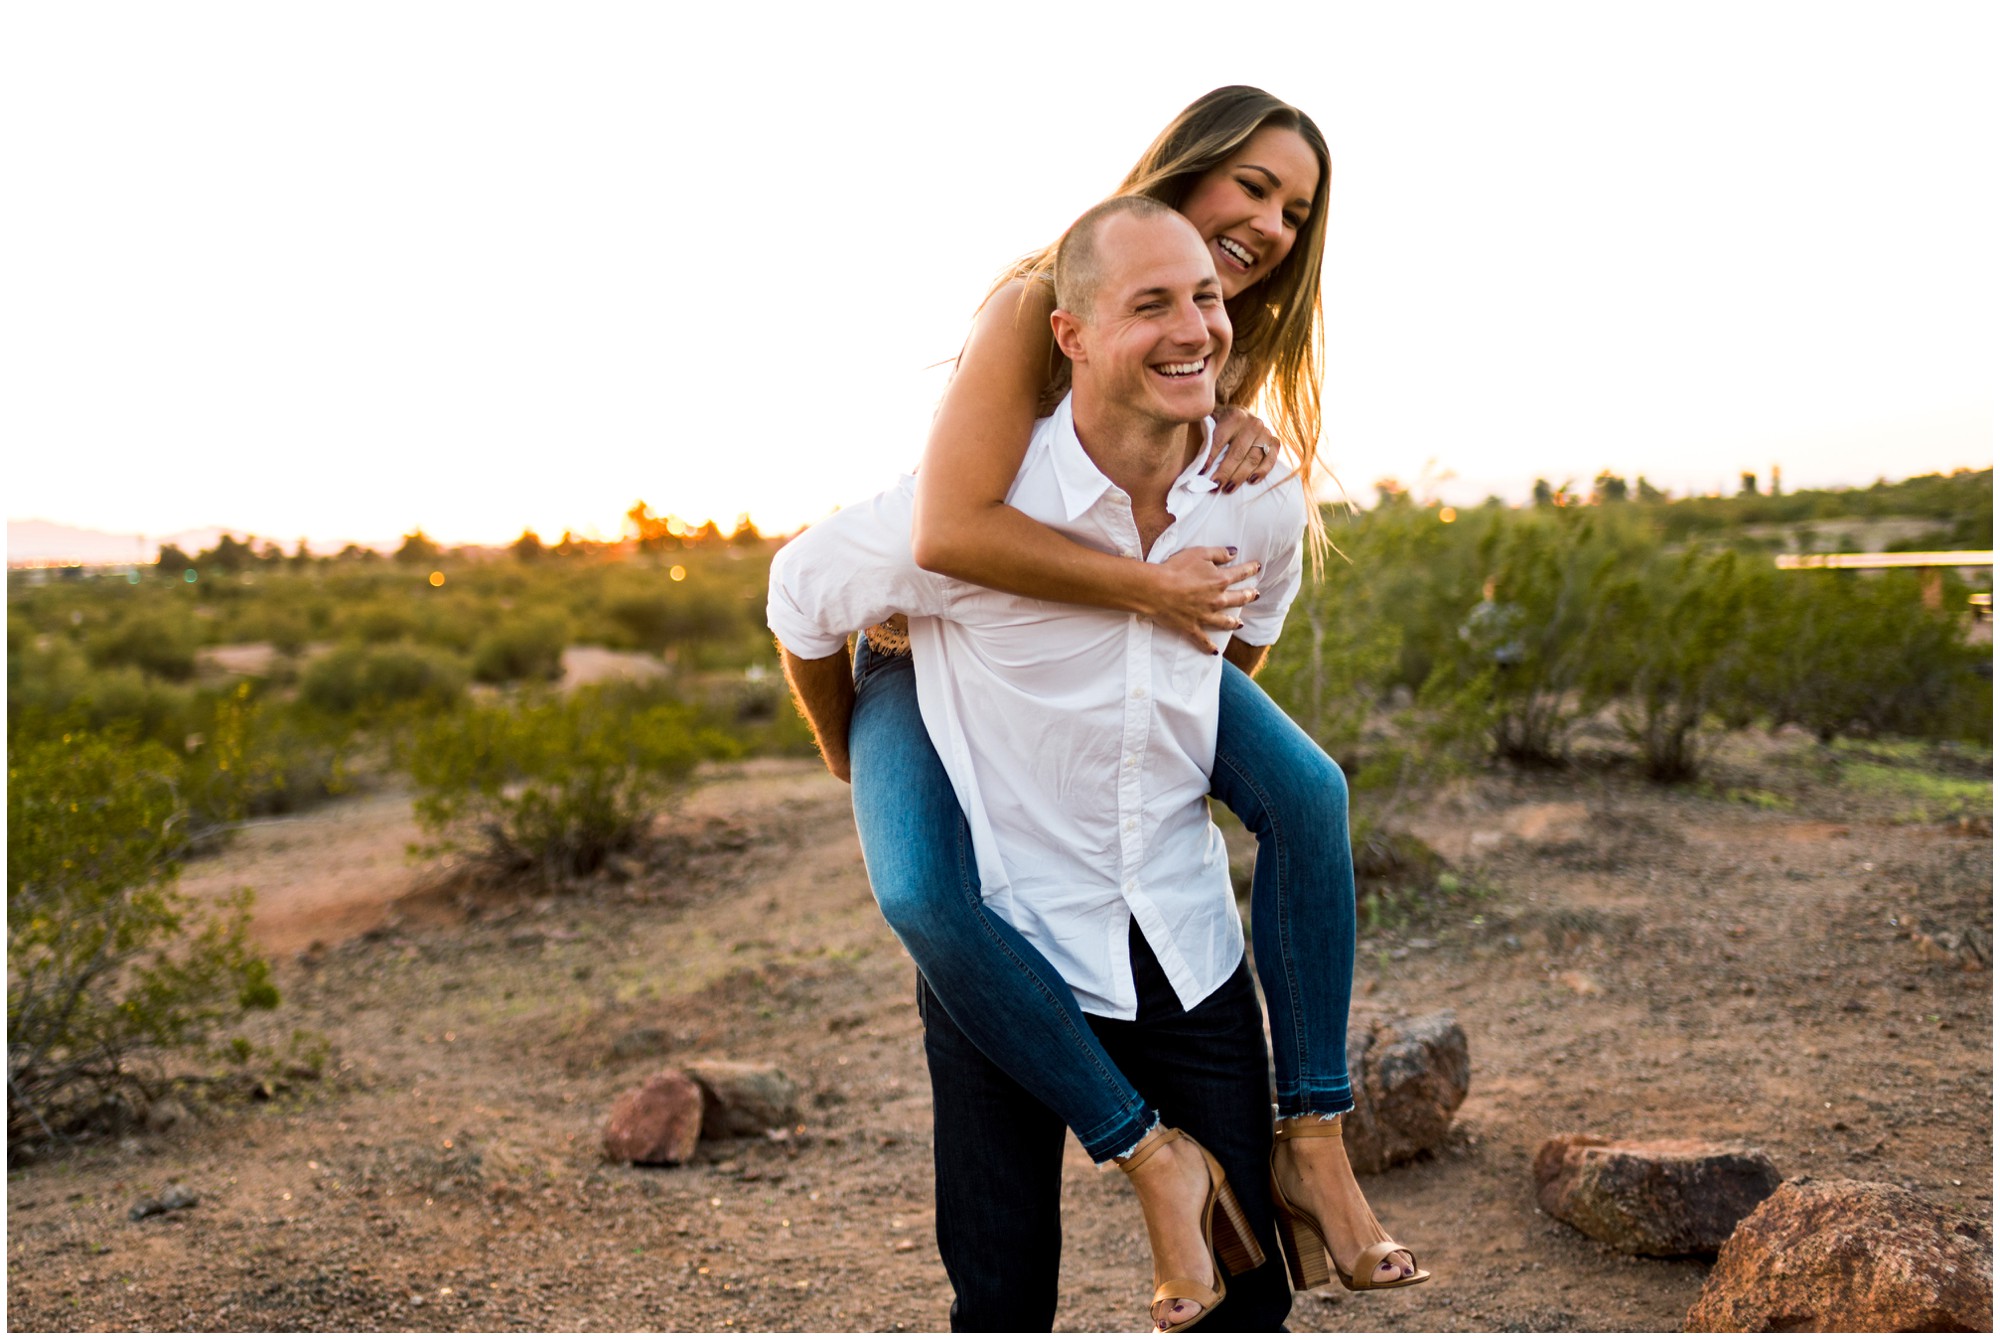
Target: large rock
1652	1198
744	1098
1850	1256
1409	1077
658	1122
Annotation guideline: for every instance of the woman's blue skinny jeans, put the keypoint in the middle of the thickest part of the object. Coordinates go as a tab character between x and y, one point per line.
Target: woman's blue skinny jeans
1003	994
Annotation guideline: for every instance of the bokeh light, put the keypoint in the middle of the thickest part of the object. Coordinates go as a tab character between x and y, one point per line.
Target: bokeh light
437	579
677	573
1447	515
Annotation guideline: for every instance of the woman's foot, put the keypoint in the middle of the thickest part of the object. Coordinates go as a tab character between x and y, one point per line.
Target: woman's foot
1316	1177
1170	1176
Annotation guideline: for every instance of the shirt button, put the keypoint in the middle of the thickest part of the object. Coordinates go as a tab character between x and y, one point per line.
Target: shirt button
1131	885
1138	693
1131	760
1131	824
1129	552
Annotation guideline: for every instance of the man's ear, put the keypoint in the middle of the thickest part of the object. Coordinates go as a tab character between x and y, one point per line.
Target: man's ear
1068	330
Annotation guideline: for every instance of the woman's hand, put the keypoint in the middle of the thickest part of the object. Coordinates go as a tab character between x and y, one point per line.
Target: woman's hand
1244	449
1192	593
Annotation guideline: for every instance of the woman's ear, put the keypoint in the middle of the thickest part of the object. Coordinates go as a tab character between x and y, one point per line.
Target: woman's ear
1069	334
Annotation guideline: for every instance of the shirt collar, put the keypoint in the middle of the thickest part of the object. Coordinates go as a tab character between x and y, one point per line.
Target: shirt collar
1082	483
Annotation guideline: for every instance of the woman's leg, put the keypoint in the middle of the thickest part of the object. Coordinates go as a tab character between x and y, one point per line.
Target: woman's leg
997	988
1294	799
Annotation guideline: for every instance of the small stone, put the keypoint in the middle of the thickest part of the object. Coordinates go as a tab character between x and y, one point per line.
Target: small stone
906	1245
1839	1255
1652	1198
744	1098
1582	983
1410	1075
658	1122
175	1197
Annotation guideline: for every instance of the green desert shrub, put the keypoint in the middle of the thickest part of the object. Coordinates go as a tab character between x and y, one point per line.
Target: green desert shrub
1671	650
152	641
257	755
109	967
551	788
356	679
522	649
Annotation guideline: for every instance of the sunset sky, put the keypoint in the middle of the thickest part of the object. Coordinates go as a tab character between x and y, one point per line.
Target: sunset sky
342	270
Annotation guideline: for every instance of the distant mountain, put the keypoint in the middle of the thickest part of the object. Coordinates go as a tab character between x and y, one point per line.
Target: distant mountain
36	542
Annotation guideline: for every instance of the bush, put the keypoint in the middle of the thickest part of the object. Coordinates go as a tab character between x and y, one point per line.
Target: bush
108	966
553	788
1852	653
258	756
360	679
1672	650
151	642
528	649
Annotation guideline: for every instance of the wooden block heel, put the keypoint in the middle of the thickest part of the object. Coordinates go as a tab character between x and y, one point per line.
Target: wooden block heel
1235	1245
1305	1251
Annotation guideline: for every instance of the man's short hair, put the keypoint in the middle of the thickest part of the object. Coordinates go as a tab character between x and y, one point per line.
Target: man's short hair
1079	263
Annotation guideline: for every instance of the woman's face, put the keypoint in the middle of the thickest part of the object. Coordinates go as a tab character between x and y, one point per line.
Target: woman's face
1250	207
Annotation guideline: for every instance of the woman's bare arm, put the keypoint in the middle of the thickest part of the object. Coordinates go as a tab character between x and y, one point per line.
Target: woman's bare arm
963	527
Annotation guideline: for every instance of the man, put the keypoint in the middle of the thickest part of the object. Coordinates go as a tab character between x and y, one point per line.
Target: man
1078	743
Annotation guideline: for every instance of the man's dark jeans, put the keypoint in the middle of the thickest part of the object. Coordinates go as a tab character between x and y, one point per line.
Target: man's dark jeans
999	1152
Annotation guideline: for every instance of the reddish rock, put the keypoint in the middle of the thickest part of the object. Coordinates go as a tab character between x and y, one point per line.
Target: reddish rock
744	1098
1838	1255
1655	1197
658	1122
1409	1077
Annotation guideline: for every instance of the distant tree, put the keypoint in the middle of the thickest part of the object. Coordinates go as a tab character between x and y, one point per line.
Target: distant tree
1545	493
354	553
1748	488
418	549
708	535
270	555
1607	488
229	555
1389	492
302	556
528	548
1649	494
173	560
653	532
746	531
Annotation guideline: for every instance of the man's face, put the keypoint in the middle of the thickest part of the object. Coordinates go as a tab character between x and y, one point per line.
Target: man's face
1157	334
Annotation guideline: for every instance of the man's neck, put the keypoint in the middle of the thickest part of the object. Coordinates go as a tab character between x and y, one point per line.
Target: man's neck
1141	455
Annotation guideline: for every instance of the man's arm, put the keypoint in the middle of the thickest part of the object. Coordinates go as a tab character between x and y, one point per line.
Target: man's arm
824	691
1243	656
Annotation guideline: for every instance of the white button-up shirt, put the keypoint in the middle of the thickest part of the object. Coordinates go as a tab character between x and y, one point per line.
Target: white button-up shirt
1079	740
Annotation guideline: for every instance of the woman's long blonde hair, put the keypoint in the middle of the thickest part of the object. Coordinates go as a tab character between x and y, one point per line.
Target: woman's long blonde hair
1280	344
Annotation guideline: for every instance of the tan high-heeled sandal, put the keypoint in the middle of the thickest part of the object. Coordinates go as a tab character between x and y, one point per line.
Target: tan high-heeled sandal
1307	1253
1225	1231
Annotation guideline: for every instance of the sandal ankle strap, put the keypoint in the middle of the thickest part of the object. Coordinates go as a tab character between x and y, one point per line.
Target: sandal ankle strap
1159	1138
1307	1128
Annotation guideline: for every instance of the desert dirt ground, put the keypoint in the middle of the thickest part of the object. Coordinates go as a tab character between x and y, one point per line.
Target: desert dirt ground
1743	961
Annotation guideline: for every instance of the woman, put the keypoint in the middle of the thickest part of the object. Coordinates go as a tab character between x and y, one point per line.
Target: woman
1250	173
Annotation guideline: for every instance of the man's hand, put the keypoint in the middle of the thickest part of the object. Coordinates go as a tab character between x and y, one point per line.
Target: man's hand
824	691
1191	593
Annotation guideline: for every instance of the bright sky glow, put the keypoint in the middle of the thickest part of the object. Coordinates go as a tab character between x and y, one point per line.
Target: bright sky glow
342	270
